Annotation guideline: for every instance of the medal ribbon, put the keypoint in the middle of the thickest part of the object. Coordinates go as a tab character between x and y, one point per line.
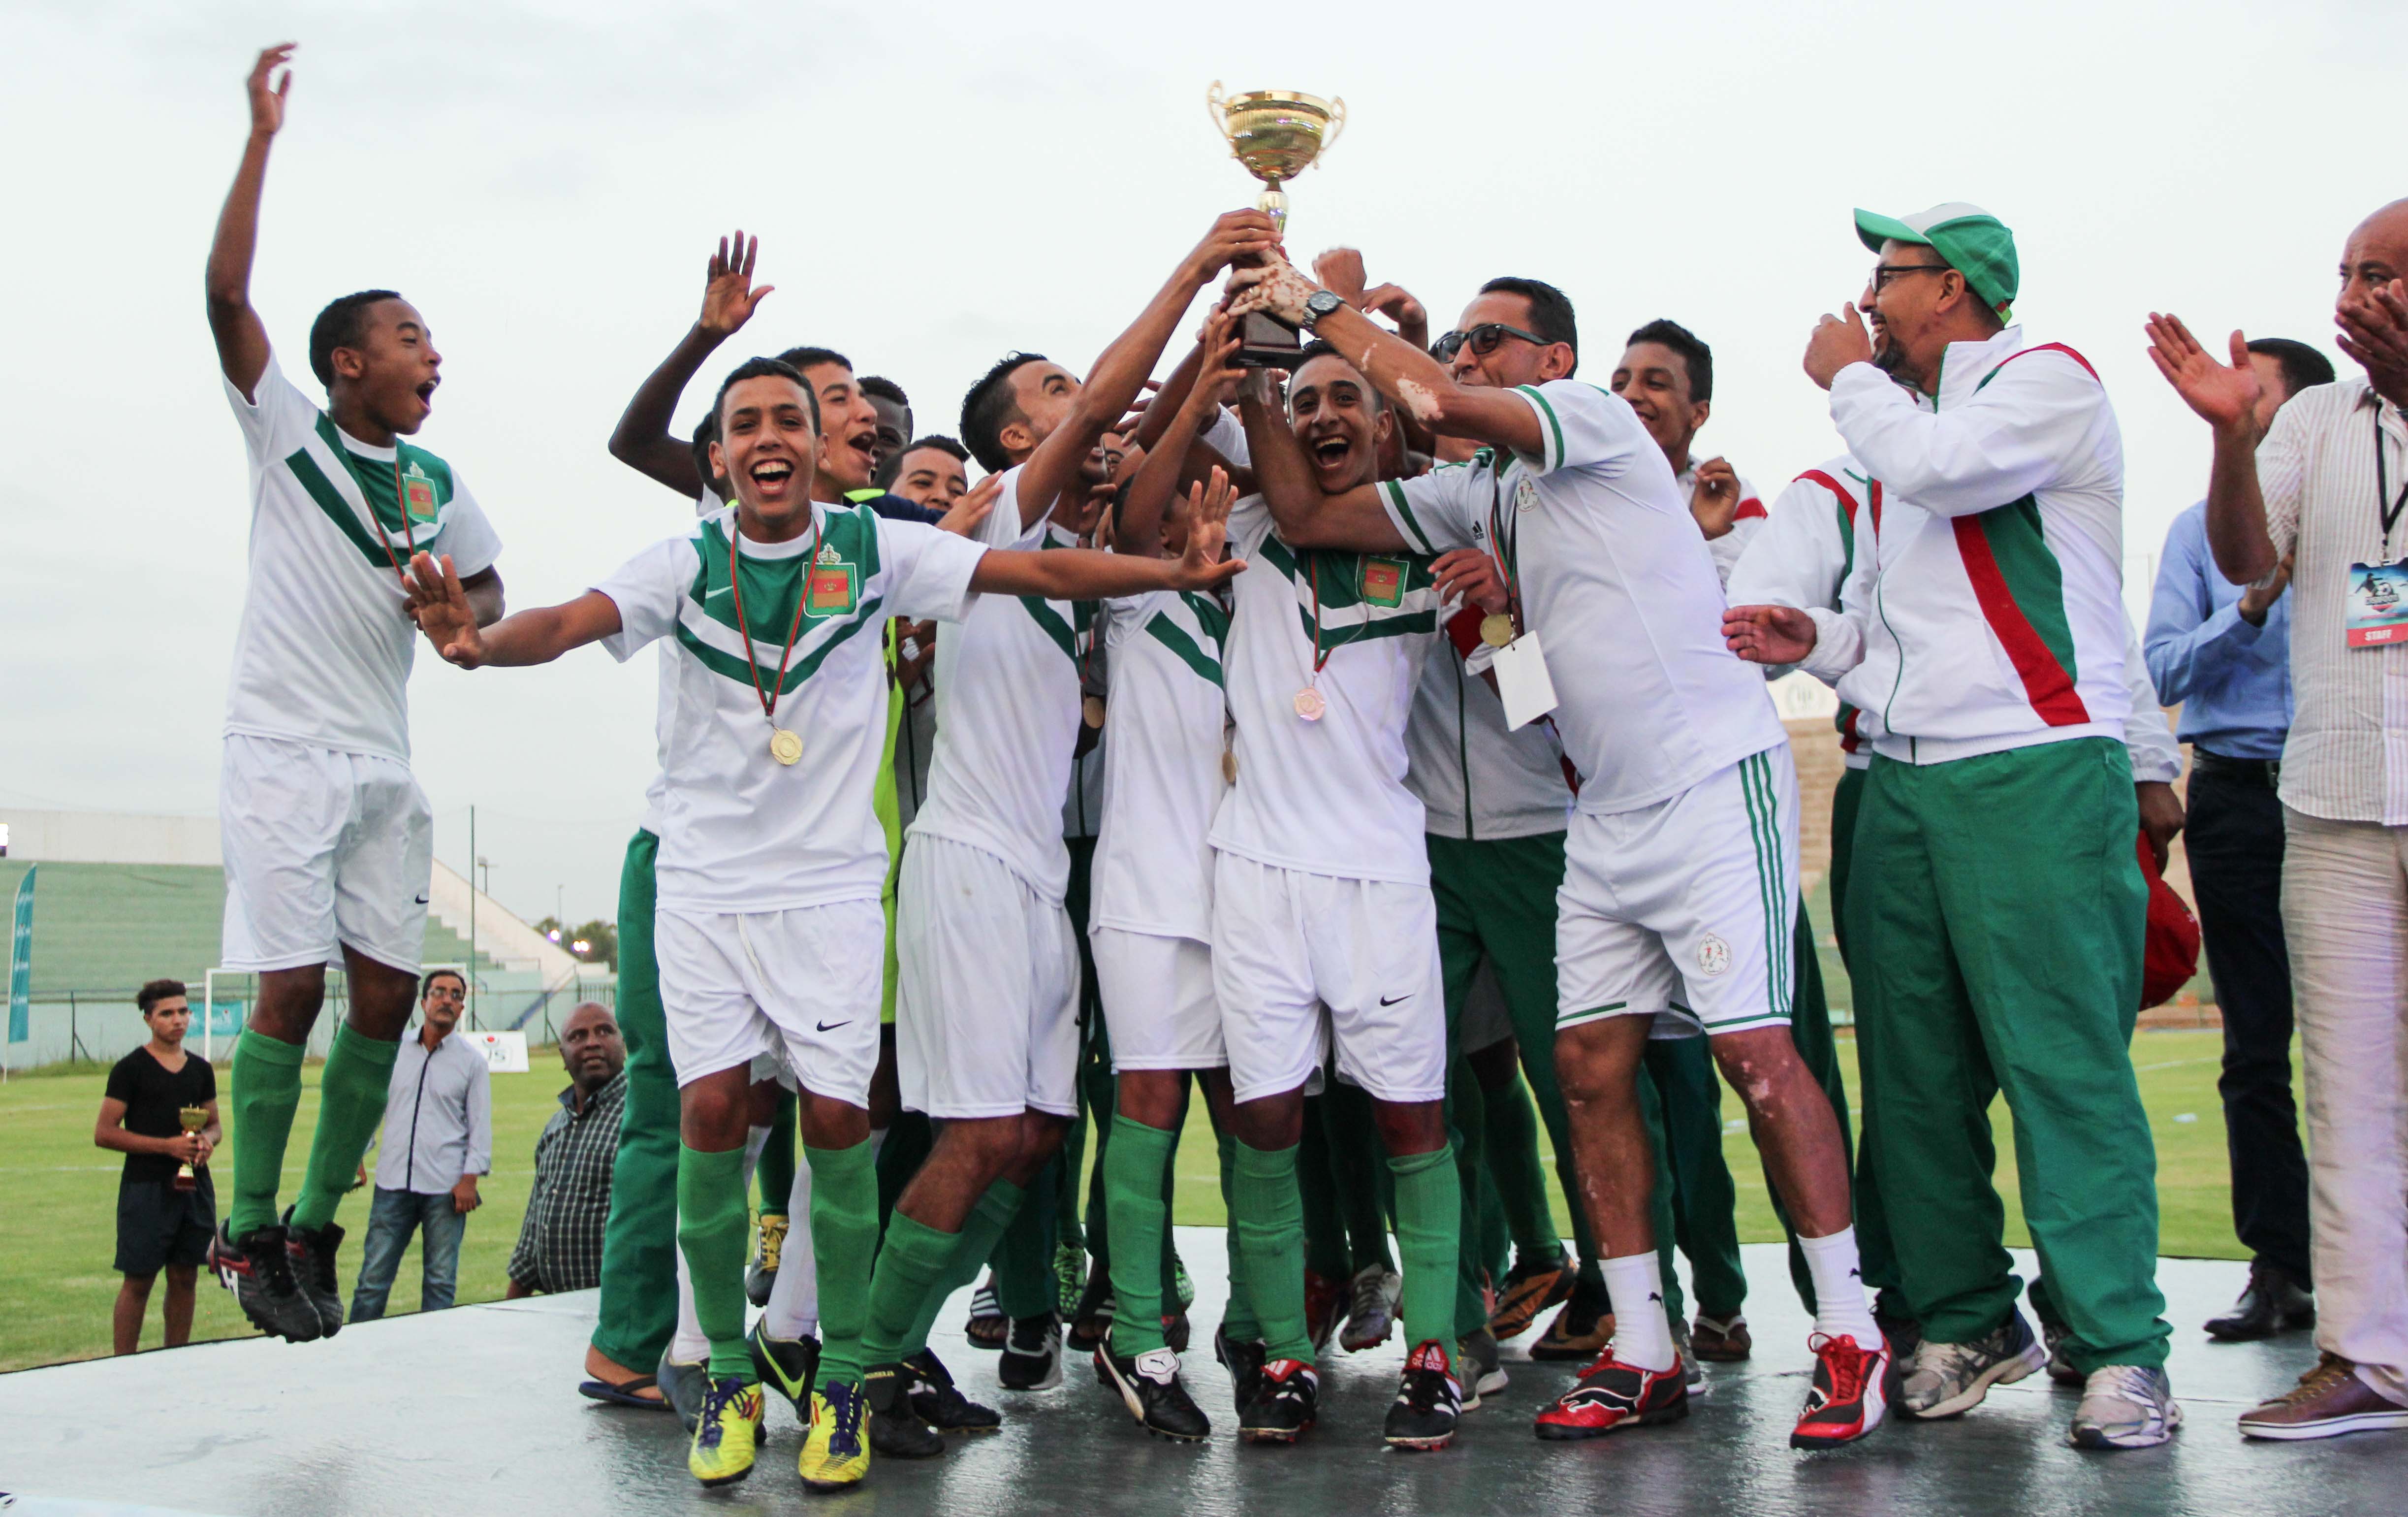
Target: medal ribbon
401	503
744	624
1320	657
1506	550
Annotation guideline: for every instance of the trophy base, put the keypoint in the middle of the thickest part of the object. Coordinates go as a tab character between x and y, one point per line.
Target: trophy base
1265	342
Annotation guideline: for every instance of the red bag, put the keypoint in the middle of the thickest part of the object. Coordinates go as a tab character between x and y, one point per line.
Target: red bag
2170	943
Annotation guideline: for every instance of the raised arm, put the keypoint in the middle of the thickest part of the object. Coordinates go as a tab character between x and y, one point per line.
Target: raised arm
446	614
1305	517
1121	372
1085	574
1405	374
1136	530
2225	397
642	439
241	336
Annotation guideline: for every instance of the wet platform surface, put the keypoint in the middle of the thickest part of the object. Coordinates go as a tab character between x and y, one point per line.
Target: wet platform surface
474	1412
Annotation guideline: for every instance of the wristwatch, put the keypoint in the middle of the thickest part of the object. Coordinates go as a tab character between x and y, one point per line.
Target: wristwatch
1318	304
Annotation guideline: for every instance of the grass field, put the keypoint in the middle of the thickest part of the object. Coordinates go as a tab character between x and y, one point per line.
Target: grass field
59	1192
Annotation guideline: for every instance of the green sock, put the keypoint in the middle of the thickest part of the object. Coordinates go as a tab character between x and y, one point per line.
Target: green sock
913	1268
1237	1316
844	1232
1511	1144
710	1230
351	1108
1268	1213
988	1221
774	1170
266	1092
1136	1219
1429	1202
1023	1254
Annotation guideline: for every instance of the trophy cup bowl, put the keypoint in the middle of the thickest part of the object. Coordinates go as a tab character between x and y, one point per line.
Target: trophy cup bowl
193	1119
1277	133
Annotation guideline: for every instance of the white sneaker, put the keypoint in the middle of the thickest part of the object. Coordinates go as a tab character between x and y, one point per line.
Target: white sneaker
2125	1407
1371	1312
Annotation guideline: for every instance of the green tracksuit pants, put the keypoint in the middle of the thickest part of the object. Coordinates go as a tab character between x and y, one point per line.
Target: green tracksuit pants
639	1307
1996	945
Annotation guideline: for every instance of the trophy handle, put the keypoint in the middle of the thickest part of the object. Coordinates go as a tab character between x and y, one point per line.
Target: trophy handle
1212	107
1337	122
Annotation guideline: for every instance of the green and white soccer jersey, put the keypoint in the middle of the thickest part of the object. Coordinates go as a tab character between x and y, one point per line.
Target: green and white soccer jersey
1327	797
1618	583
323	654
1007	717
740	831
1163	782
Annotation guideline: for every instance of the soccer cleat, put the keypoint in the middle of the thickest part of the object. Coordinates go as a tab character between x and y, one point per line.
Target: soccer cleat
1091	1316
1479	1369
1948	1379
939	1403
1429	1401
1286	1404
1611	1394
1032	1354
1148	1384
313	1270
1175	1332
836	1452
2125	1407
683	1383
259	1271
727	1433
896	1429
1530	1287
1582	1330
761	1275
1244	1360
1722	1341
1371	1315
1322	1297
787	1365
2060	1368
987	1325
1850	1394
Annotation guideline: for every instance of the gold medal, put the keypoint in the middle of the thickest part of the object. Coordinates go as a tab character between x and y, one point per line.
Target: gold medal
1496	630
1090	711
784	746
1229	766
1309	704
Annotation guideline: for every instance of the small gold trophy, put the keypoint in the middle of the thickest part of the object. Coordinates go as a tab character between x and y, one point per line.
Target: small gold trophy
1276	134
193	1119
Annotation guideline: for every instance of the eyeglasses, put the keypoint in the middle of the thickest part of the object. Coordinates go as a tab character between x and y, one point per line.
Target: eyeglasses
1883	273
1483	339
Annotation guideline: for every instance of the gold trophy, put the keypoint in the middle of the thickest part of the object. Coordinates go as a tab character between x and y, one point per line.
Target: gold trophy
1276	134
193	1119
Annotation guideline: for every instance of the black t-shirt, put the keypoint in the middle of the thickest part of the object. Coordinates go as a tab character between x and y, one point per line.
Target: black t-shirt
152	1098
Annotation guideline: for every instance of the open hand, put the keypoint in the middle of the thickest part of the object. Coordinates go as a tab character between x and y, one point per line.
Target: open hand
441	610
266	100
2225	397
728	297
965	516
1473	575
1235	235
1714	500
1769	634
1201	566
1837	343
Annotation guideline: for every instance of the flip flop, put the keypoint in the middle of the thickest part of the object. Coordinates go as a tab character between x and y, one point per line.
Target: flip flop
623	1394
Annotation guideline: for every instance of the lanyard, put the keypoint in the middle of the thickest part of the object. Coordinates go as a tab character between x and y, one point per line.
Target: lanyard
1319	657
1508	550
2387	505
744	624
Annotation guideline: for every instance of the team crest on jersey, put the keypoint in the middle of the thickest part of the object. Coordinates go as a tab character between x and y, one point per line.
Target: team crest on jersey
829	591
1383	581
1714	956
417	495
1526	495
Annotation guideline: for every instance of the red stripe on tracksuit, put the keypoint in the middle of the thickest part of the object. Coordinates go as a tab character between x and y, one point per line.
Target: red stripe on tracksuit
1833	485
2046	684
1748	507
2046	347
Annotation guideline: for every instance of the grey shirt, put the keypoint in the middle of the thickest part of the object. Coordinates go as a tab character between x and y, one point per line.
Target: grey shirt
439	1118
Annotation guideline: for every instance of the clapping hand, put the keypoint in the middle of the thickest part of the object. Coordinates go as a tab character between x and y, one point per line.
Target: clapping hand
2225	396
1769	634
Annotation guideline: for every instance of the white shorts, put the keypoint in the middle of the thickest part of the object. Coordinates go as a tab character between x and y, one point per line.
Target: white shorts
1485	1020
1286	943
1682	910
986	995
323	851
800	985
1158	1003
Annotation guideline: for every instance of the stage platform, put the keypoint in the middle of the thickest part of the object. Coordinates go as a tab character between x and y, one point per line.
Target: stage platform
474	1412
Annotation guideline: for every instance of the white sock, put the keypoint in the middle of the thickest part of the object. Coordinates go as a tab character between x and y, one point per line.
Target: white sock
794	1309
877	1141
1840	1308
1642	1335
688	1346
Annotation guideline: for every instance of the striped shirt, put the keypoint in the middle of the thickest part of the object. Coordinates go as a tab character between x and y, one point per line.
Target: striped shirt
560	1239
2346	759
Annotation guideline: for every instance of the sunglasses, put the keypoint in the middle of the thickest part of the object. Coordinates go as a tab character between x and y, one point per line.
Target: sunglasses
1483	339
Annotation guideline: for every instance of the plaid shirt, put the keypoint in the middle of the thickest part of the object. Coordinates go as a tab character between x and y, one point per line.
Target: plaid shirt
560	1242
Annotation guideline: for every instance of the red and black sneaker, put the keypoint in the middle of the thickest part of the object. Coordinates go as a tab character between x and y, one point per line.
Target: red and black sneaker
1286	1403
1430	1400
258	1269
1850	1395
1613	1394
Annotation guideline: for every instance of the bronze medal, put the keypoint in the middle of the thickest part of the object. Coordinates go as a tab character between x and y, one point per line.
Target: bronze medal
1309	704
1090	711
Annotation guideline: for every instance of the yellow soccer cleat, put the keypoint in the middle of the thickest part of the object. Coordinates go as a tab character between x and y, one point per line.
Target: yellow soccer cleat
762	1273
727	1432
836	1453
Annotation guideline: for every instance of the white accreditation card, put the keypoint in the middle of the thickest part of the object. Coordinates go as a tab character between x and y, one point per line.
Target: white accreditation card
1522	681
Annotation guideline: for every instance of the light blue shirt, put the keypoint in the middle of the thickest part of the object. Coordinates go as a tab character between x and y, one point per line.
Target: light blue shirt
2232	680
438	1117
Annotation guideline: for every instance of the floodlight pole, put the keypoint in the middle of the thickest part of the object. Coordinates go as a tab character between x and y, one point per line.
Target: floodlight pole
472	918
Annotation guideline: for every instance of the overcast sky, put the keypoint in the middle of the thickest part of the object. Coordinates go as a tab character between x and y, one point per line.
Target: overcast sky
937	185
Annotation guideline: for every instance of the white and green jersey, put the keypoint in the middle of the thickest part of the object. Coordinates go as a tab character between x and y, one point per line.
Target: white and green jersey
323	654
1477	779
738	830
1162	766
1007	716
1324	797
1616	581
